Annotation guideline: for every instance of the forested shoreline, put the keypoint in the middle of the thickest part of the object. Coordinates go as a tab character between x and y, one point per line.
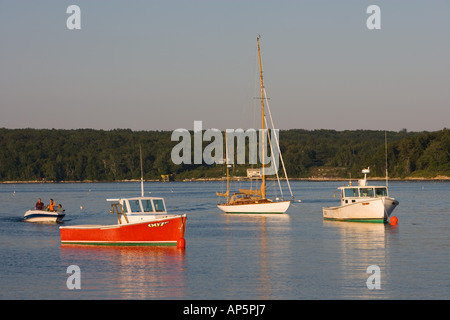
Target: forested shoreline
113	155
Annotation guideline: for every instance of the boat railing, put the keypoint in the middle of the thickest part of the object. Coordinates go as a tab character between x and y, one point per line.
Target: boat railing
117	208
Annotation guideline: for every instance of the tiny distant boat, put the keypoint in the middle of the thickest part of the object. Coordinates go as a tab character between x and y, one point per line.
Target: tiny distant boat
362	203
43	216
141	221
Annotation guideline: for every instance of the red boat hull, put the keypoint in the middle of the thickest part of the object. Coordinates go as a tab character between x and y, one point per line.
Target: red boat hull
169	232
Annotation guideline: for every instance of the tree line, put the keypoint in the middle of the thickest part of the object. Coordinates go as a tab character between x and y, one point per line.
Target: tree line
113	155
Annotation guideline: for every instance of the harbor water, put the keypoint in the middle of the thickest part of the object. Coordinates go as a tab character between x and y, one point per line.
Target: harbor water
278	257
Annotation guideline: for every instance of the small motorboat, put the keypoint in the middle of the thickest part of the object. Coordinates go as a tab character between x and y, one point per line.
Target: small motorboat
34	215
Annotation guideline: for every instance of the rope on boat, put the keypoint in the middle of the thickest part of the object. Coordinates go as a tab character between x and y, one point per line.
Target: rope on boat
278	145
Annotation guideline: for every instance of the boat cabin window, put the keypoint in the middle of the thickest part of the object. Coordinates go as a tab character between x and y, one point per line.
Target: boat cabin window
351	192
380	192
366	192
134	206
147	205
159	205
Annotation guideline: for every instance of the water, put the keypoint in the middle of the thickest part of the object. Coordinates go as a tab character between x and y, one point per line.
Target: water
295	256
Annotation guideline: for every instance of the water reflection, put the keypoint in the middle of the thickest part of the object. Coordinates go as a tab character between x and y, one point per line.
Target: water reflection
266	239
359	246
128	272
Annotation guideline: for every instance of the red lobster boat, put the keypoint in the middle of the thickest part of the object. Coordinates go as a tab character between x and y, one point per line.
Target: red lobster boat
142	221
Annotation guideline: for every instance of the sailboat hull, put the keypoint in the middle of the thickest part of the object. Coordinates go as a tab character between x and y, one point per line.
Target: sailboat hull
255	208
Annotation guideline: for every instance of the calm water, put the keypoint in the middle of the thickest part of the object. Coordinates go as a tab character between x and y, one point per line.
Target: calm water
296	256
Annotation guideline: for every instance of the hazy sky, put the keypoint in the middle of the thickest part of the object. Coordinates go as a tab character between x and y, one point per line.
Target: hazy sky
160	65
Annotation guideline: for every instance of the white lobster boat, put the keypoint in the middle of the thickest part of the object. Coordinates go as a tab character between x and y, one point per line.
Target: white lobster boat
362	203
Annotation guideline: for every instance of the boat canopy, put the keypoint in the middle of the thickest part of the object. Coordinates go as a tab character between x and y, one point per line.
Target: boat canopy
364	192
142	205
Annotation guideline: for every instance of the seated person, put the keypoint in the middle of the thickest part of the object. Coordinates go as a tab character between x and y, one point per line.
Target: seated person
51	206
39	205
60	208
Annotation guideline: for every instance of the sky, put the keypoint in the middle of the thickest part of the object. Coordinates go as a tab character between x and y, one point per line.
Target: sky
161	65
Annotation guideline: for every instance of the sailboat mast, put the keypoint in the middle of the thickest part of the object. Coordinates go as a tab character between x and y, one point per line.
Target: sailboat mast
263	183
142	173
228	169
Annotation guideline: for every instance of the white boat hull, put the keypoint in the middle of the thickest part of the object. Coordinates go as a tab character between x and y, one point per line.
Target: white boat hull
264	208
370	210
43	216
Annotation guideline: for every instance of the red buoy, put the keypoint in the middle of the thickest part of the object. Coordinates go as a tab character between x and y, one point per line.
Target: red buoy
394	221
181	243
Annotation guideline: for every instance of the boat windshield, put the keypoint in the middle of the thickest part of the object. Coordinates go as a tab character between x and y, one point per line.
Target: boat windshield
159	205
143	205
380	192
366	192
134	206
147	205
351	192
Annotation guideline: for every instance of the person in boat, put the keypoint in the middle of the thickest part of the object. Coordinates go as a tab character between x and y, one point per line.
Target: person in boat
60	209
51	206
39	205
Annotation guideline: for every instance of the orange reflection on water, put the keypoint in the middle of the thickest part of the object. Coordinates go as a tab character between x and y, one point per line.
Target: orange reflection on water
267	228
131	272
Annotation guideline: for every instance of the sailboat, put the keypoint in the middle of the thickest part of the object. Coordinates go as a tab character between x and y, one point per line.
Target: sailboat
250	201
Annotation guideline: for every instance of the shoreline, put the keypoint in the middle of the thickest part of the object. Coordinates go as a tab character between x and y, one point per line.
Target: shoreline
312	179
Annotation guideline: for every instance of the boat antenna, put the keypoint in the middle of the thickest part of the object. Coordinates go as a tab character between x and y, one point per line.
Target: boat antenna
385	151
142	174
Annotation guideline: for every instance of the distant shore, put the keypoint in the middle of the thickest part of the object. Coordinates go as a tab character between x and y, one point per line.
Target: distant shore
312	179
